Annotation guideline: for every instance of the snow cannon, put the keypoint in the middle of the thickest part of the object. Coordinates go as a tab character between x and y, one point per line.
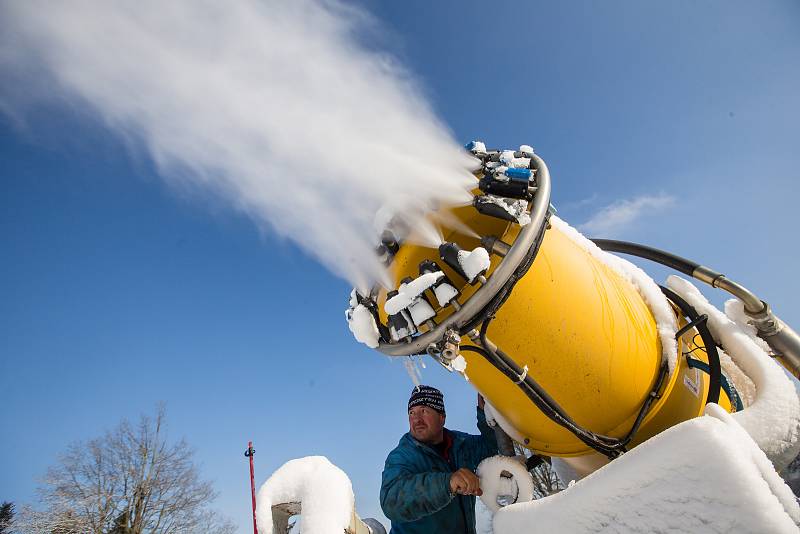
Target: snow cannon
579	353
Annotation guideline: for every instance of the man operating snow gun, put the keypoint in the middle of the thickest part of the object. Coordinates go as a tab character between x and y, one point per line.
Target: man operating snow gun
429	482
580	353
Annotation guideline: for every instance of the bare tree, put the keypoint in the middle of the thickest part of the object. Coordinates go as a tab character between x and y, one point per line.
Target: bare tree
6	517
545	481
52	521
129	481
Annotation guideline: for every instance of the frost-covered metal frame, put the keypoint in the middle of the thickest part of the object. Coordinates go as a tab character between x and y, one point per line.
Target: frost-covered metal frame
540	204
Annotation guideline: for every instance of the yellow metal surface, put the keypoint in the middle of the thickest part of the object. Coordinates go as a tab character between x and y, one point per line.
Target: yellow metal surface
586	336
584	333
685	394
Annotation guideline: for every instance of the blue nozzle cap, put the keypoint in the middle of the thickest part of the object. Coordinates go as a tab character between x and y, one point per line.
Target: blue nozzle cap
518	173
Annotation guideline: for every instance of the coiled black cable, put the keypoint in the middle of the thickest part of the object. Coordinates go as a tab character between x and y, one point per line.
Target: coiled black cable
609	446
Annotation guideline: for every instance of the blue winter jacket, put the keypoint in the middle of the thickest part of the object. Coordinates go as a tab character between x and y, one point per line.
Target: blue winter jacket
415	490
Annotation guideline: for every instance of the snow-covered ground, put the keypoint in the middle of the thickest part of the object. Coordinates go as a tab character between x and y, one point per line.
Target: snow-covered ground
704	475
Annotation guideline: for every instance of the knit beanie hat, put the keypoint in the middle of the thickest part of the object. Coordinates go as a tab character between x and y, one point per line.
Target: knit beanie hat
427	396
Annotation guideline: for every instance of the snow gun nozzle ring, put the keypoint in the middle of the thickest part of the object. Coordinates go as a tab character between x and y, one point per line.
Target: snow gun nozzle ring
519	184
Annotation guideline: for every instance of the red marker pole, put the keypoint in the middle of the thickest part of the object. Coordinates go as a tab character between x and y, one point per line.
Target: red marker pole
250	452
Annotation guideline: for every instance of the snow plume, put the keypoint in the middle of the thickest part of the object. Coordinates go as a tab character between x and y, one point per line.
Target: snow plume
614	218
277	106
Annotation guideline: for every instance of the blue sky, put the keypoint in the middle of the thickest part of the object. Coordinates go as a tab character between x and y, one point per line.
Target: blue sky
119	290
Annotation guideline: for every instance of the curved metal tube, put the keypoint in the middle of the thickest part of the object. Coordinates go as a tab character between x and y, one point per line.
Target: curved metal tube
779	336
752	304
521	246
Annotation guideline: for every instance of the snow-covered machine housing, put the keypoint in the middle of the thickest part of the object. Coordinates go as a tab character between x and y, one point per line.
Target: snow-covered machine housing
580	354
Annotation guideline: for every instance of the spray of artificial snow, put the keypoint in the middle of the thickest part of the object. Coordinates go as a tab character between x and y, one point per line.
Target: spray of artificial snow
276	106
323	490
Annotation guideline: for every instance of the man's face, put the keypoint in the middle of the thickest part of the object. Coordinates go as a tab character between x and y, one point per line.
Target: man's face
426	424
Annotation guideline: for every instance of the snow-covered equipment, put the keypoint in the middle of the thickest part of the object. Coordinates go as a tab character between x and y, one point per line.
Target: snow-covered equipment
507	182
504	480
515	210
444	289
400	324
580	353
478	148
318	492
419	307
471	266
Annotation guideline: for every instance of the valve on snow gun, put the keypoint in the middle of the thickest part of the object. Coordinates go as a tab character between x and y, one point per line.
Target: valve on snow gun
477	148
514	210
388	247
448	352
470	265
401	326
506	174
409	307
452	340
444	289
420	309
510	182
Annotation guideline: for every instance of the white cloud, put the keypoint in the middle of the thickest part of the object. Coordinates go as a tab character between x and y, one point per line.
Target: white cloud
620	215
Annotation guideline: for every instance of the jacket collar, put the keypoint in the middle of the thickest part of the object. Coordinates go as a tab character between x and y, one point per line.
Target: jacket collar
454	437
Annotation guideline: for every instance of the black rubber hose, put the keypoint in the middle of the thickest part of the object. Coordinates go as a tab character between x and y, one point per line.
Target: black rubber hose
609	446
502	366
683	265
662	374
715	369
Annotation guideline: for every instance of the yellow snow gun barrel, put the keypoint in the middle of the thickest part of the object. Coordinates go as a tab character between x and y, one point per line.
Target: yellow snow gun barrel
562	343
783	341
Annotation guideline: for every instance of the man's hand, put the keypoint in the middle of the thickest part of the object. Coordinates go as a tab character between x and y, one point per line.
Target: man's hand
465	482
